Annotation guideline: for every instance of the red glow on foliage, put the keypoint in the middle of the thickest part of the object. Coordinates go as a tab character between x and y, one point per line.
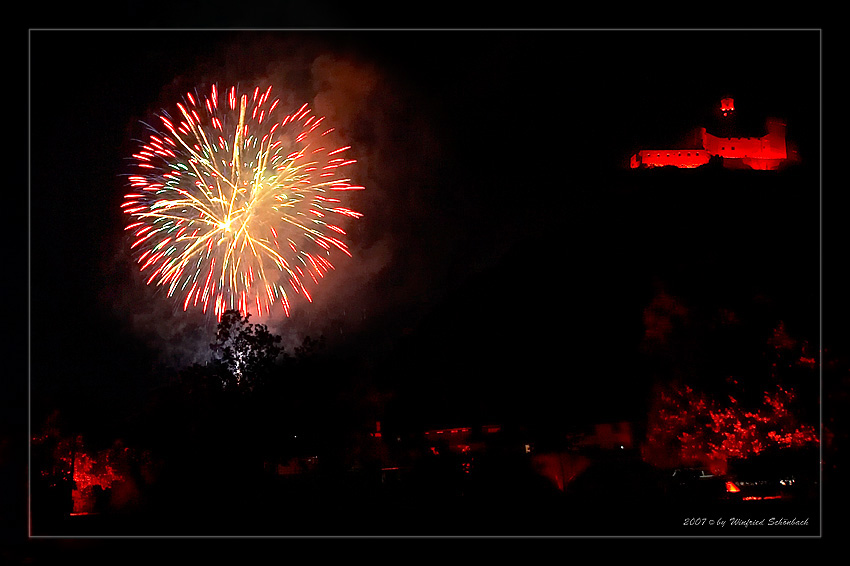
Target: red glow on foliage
691	428
90	472
94	471
780	340
107	478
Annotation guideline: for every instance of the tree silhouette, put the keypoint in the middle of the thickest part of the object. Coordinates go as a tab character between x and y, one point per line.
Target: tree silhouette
244	354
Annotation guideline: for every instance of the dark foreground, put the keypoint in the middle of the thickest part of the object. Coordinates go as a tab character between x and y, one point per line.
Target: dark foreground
369	507
462	518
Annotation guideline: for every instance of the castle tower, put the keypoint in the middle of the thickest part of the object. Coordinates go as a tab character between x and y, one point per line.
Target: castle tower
726	123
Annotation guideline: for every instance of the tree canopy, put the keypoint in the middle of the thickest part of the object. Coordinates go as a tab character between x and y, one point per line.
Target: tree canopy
243	354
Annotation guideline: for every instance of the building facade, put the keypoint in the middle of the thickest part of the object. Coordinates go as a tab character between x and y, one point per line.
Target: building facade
765	153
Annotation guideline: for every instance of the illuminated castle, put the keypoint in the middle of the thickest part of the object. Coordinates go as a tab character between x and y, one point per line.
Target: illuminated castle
765	153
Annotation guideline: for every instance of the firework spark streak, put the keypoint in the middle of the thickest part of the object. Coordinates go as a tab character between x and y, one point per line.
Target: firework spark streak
234	203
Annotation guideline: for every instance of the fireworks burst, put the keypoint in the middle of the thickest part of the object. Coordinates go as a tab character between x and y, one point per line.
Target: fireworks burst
235	204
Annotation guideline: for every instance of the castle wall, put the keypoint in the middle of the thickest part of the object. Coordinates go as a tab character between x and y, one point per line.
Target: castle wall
683	158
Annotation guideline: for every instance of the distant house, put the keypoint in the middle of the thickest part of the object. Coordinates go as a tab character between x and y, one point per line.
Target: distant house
453	439
293	467
461	439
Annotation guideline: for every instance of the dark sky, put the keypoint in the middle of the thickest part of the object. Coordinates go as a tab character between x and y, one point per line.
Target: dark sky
505	246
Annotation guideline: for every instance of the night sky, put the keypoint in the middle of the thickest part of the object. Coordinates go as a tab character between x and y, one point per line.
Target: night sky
506	253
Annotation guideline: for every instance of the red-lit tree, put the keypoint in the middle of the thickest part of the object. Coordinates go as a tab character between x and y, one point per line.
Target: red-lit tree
687	427
700	418
65	461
